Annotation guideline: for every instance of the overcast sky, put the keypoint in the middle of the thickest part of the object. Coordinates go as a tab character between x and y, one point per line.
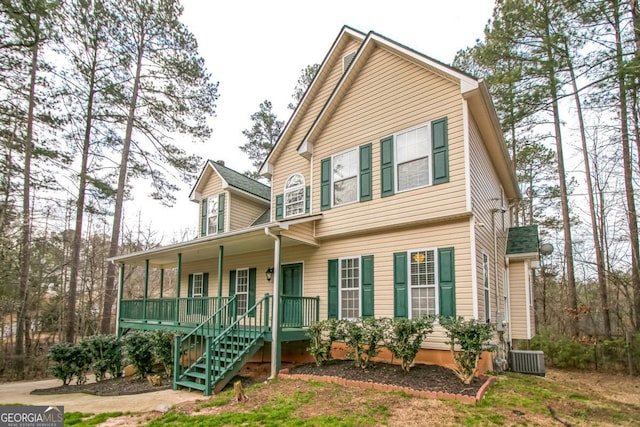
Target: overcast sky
256	49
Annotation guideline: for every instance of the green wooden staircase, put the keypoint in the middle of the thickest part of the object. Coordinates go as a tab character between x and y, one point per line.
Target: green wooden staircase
210	355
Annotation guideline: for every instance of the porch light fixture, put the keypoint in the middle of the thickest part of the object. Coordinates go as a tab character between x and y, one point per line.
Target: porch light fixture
269	273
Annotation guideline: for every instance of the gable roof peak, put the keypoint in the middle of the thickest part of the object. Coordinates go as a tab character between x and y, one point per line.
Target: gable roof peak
231	179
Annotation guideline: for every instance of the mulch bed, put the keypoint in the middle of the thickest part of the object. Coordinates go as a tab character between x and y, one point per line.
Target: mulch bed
109	387
431	378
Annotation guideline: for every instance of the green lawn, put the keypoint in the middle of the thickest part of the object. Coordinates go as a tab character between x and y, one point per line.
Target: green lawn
512	400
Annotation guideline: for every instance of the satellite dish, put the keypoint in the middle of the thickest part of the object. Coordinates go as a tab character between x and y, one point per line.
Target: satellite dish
546	249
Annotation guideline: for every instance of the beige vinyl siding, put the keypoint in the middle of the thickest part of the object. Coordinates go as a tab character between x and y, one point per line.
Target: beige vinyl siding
301	232
518	301
212	186
485	197
382	246
243	211
390	95
288	161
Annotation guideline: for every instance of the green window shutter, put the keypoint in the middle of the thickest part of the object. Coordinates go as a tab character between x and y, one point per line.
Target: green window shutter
367	286
386	167
332	294
190	286
279	206
365	173
307	199
446	282
221	213
440	147
252	291
203	217
400	290
232	282
205	285
325	184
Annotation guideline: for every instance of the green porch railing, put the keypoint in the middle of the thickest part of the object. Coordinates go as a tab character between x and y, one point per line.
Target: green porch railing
298	312
171	310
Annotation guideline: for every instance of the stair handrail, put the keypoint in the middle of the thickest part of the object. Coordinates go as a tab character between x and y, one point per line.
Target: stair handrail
231	300
234	324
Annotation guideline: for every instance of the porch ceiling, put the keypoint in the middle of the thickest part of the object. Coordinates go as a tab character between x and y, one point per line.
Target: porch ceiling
252	240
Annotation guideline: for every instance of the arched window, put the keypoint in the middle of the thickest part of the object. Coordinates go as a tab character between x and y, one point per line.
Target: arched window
294	195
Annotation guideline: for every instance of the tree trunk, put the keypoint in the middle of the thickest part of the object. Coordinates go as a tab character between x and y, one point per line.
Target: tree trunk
602	280
70	328
25	249
564	202
628	171
109	287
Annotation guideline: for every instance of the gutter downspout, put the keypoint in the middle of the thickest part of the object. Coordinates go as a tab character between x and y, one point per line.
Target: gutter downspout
275	316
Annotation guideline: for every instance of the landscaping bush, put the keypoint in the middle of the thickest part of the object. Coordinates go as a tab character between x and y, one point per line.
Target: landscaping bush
105	352
162	342
69	360
139	346
361	339
403	338
472	337
322	335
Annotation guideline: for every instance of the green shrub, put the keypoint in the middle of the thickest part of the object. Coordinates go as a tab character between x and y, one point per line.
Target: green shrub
105	352
472	337
139	346
403	338
162	342
69	360
321	336
374	331
561	351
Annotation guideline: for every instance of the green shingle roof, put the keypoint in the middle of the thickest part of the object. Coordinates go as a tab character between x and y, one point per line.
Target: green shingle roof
264	218
242	182
523	240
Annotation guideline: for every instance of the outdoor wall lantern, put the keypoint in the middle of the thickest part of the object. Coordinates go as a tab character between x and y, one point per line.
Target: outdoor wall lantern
269	273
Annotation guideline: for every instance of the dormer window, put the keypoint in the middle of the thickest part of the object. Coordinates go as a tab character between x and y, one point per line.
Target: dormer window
294	196
212	215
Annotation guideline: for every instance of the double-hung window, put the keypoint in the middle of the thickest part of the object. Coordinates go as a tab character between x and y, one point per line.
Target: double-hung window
242	290
485	281
349	294
412	158
424	283
422	279
212	215
294	197
345	177
198	285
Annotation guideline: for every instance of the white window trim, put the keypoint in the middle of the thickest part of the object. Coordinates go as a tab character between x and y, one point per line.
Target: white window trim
429	158
359	288
486	286
357	150
437	282
284	195
246	308
216	198
193	286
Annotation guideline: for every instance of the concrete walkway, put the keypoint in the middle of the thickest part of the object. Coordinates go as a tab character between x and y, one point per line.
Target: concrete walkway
18	393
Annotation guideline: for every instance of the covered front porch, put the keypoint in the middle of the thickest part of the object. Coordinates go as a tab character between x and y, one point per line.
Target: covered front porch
184	314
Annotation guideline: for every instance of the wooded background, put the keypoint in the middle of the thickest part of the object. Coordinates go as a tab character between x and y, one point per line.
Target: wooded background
92	90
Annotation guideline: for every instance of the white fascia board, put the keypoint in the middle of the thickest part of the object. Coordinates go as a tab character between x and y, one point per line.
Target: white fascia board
306	149
195	196
266	170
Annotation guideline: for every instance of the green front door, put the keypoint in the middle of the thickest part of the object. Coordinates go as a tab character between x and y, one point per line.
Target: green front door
291	293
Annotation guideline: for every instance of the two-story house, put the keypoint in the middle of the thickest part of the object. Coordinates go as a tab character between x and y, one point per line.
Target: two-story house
390	196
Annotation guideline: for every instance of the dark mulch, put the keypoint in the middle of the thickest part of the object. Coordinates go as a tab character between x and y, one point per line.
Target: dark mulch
420	377
109	387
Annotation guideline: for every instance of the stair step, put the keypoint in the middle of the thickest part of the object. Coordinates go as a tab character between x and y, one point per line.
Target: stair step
195	374
190	384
